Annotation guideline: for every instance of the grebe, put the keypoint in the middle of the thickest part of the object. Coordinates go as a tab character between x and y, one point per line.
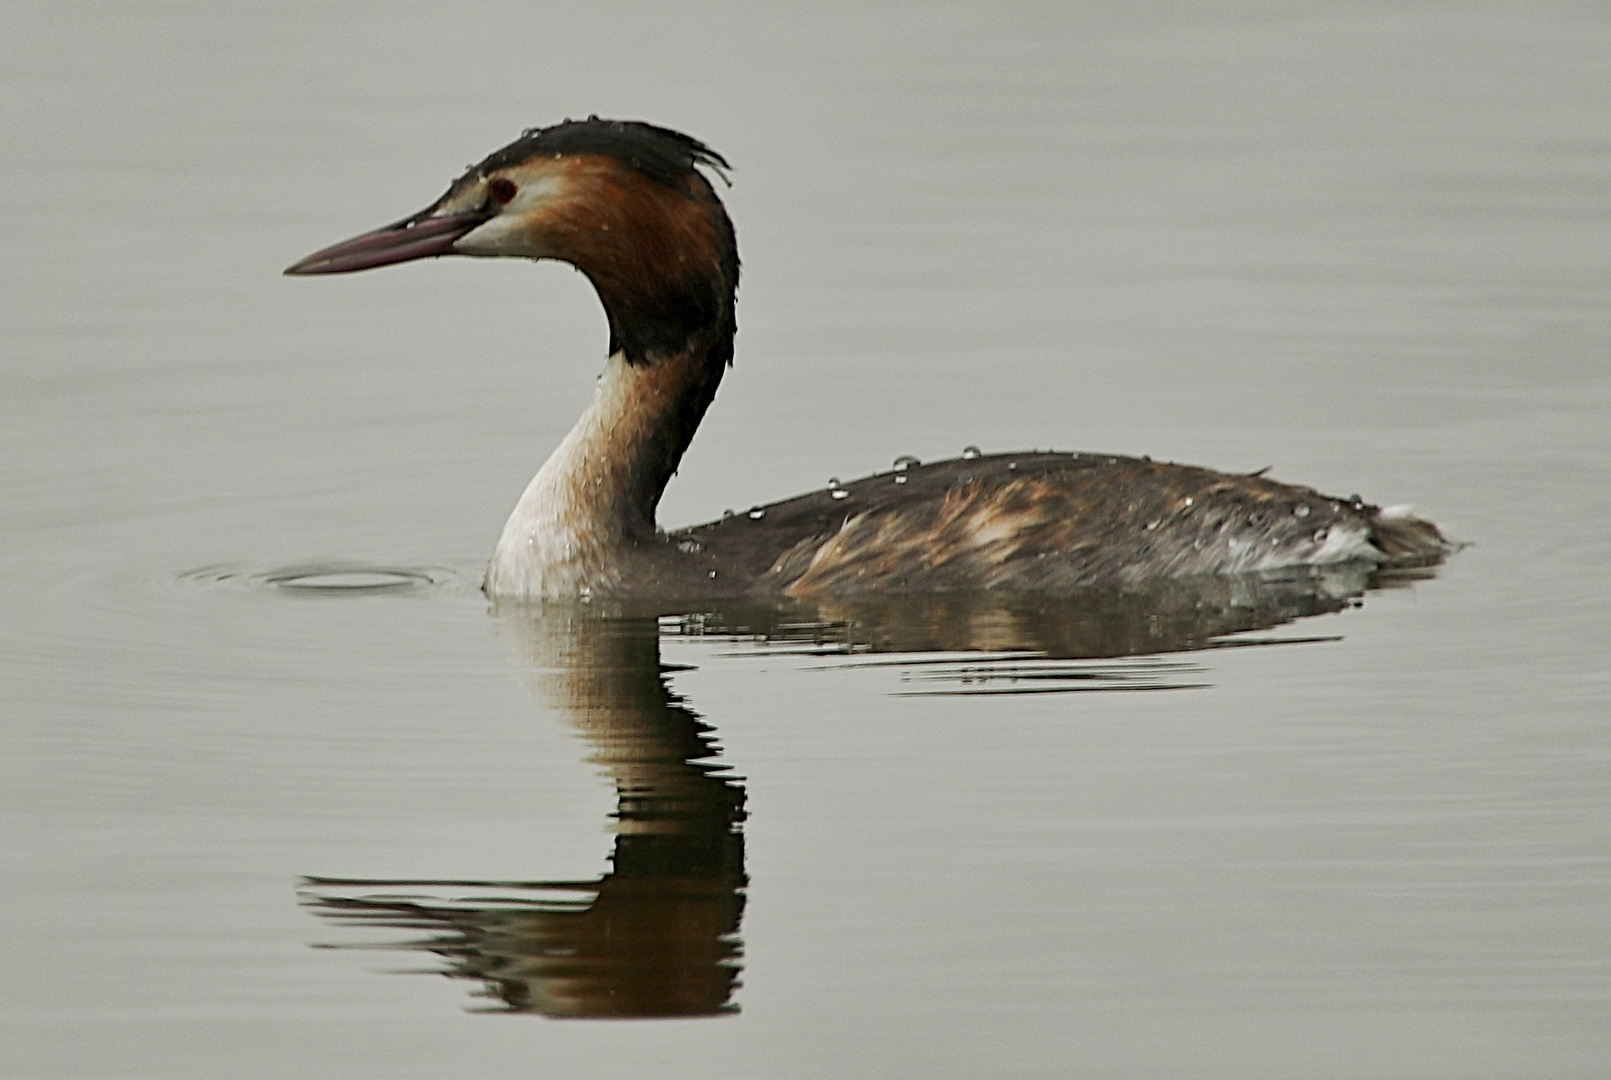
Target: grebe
626	204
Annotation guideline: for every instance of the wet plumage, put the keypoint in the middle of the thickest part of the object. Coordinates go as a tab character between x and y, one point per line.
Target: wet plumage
1047	522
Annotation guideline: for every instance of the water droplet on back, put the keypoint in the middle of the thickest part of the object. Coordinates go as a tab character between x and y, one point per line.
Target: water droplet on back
756	514
905	461
971	452
1301	510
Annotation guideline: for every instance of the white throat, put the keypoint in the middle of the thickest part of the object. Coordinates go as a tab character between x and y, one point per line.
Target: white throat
579	513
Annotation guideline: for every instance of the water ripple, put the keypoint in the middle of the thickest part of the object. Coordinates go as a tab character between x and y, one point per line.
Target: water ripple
330	579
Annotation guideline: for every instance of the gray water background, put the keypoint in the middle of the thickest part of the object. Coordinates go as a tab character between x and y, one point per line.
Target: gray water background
1364	244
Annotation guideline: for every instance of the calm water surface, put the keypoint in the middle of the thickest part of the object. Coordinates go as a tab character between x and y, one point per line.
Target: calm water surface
271	759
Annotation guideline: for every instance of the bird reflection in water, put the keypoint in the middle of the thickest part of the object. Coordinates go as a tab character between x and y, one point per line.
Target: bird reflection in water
658	935
655	937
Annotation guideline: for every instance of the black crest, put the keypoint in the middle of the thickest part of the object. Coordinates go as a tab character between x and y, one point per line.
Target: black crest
661	154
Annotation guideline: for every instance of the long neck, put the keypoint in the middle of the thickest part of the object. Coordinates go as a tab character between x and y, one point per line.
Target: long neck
594	499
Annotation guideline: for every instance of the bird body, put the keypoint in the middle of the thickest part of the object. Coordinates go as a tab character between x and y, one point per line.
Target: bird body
626	204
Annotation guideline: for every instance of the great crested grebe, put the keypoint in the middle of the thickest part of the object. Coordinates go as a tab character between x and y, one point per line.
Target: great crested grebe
625	203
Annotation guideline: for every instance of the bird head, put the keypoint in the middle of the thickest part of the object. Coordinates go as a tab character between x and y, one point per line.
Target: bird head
622	201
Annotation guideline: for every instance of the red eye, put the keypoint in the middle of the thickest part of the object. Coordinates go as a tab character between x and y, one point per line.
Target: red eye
502	189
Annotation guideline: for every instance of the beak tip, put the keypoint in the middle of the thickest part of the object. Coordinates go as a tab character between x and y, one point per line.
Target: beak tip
308	267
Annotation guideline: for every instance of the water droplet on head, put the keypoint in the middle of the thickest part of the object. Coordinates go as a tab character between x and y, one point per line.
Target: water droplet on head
713	573
1301	510
757	514
839	493
971	452
1151	525
900	479
1320	534
690	546
1187	502
905	461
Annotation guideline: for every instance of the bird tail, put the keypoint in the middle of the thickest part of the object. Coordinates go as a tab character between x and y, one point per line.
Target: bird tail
1406	540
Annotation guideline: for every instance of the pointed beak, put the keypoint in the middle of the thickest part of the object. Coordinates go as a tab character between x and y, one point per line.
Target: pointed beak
417	237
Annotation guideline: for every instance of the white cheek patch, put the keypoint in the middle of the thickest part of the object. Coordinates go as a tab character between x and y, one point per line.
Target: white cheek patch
509	233
499	236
